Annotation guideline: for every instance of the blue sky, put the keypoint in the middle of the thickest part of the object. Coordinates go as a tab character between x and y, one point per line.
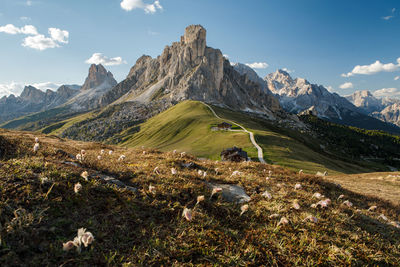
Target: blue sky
320	40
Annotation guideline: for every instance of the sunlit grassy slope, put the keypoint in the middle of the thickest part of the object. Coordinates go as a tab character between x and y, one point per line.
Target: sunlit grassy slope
187	127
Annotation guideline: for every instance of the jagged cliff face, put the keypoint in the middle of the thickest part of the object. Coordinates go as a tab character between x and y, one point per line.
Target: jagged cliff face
297	95
190	70
390	114
98	82
365	100
385	109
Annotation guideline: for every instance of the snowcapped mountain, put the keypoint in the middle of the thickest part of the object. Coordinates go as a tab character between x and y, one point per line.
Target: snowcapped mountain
385	109
298	95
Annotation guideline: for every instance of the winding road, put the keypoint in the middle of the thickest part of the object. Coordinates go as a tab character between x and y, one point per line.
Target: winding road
252	139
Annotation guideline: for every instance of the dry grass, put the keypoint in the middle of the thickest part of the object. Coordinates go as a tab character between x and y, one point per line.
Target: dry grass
384	185
146	228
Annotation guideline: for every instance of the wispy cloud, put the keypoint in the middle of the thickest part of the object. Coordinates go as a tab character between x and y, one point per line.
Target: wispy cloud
389	17
387	92
287	70
396	78
129	5
152	33
373	68
347	85
258	65
25	18
35	40
99	58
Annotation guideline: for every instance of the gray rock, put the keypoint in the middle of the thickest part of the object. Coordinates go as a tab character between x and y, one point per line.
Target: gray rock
232	193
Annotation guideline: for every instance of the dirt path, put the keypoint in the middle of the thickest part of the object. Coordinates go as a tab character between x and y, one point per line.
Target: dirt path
252	139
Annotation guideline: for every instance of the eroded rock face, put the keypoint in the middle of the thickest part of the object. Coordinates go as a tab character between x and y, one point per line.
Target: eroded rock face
188	69
390	114
97	76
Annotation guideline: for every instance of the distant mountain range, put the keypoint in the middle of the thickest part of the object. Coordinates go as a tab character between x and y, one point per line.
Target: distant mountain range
299	96
385	109
190	70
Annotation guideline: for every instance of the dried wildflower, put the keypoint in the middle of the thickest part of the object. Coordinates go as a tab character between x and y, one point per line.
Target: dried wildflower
317	195
340	197
348	203
216	171
183	154
152	189
383	217
297	186
121	158
215	191
77	187
296	204
187	213
313	206
301	172
87	239
68	246
156	170
36	140
275	215
322	204
36	147
85	175
174	152
102	152
204	174
236	173
78	157
267	194
83	152
174	171
200	199
44	180
372	208
99	157
243	209
200	172
110	152
311	218
283	221
395	224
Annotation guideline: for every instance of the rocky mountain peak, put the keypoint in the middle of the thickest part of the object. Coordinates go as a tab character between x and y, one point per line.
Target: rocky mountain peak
189	69
32	94
97	76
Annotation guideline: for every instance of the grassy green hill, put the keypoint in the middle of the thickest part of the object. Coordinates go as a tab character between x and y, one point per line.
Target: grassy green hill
187	127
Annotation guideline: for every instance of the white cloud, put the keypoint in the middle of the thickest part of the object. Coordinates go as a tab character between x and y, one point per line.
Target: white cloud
11	29
99	58
29	3
40	42
387	17
330	89
287	70
17	87
129	5
258	65
58	35
25	18
387	92
152	33
396	78
346	86
373	68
